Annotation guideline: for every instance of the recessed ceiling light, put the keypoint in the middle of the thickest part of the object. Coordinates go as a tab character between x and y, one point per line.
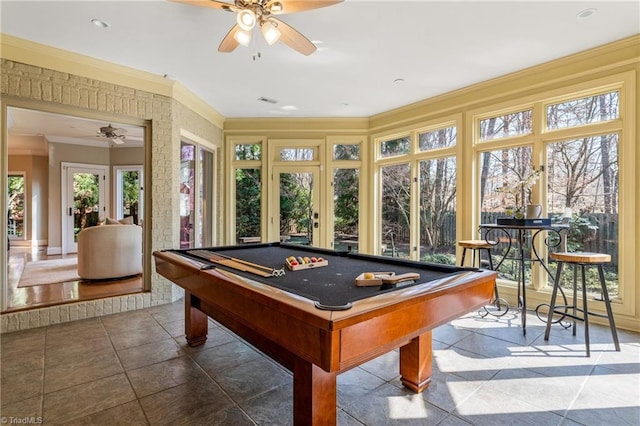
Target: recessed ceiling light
583	14
100	23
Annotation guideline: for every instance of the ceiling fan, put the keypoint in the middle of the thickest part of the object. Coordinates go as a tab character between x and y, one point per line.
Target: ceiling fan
252	13
111	133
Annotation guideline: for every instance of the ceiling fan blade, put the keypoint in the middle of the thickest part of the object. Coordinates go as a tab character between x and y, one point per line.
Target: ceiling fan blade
117	141
294	39
229	43
229	7
292	6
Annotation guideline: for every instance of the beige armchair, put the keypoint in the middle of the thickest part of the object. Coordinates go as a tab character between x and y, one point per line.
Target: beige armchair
109	251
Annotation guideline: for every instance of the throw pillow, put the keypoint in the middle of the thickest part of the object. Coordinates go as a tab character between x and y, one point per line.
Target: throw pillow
127	220
109	221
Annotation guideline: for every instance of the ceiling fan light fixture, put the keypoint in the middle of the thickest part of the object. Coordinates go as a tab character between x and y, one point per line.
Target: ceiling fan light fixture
246	19
276	7
270	32
243	37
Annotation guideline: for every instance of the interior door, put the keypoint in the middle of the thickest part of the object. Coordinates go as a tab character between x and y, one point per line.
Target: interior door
84	202
296	205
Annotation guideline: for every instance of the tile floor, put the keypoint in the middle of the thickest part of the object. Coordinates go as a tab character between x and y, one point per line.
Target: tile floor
135	368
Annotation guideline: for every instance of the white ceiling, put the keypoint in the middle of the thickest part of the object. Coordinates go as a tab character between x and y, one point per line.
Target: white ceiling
435	46
31	131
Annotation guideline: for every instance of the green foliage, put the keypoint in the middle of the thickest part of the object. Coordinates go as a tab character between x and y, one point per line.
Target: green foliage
16	196
295	204
248	202
86	190
582	229
130	188
346	201
443	258
248	152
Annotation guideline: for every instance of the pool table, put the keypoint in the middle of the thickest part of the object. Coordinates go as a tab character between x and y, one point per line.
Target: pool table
316	322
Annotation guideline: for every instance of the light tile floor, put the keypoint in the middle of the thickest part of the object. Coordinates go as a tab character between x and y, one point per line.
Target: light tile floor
135	368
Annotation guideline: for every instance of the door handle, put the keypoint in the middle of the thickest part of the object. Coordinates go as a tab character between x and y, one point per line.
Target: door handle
70	211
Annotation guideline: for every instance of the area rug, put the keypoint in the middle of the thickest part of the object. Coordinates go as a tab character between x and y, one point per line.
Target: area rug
49	272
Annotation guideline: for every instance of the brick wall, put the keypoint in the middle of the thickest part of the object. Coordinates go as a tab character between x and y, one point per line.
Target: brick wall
47	88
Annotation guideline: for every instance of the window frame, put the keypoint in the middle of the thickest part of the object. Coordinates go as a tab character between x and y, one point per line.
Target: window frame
541	137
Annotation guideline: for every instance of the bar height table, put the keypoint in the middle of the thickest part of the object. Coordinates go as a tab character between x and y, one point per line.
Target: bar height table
519	238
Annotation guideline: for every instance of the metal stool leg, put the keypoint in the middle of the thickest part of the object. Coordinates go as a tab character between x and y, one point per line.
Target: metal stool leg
552	306
585	311
464	253
607	304
575	296
495	287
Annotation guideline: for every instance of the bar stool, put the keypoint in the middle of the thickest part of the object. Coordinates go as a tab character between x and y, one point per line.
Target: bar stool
583	260
477	246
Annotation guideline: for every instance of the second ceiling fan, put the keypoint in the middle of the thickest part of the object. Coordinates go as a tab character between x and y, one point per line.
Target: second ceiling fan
252	13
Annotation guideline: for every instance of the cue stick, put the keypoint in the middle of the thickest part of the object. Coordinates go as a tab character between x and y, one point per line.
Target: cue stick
246	262
238	264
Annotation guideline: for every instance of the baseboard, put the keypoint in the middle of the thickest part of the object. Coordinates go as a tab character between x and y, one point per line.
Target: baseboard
53	251
28	243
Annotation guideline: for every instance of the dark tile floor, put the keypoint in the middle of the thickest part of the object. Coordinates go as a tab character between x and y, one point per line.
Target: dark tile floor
135	368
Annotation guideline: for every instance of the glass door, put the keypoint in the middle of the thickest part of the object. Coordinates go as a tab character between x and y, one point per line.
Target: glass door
129	196
85	202
16	209
297	205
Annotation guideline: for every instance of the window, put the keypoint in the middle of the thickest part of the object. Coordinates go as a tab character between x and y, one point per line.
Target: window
248	200
129	198
441	138
197	173
501	173
297	154
249	151
187	194
583	181
346	152
396	210
346	184
504	126
16	210
418	193
391	148
577	112
206	162
437	178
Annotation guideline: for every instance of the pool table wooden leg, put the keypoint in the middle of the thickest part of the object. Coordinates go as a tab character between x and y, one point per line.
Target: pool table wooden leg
416	363
195	321
314	395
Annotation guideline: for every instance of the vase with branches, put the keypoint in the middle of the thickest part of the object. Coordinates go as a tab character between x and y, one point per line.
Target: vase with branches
519	189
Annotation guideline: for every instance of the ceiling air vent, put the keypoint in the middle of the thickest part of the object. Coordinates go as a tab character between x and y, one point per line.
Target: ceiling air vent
267	100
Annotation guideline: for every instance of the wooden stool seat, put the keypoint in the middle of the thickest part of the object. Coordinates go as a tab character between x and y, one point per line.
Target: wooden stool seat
582	260
581	257
476	244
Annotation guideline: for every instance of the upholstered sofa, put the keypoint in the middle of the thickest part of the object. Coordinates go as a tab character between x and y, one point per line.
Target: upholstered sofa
109	251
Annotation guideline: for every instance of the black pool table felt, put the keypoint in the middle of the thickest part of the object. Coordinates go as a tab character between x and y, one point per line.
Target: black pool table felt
333	286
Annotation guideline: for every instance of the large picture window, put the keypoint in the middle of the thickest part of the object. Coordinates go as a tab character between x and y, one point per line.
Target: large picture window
583	183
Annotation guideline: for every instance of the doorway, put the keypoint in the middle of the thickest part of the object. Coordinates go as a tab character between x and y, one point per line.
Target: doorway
52	150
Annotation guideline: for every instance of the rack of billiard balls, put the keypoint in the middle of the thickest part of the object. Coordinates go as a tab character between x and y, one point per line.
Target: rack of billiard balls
297	263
